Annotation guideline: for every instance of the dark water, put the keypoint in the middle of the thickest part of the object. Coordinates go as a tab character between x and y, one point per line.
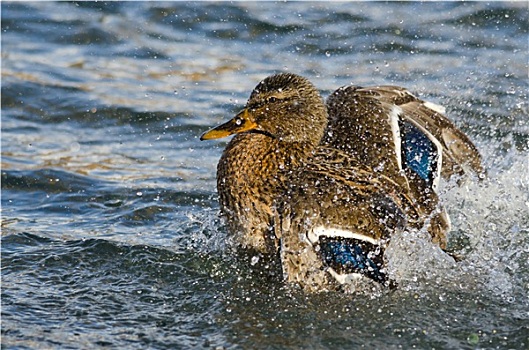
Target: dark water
110	232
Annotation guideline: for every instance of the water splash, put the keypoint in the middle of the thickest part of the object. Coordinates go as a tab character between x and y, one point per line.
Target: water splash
490	237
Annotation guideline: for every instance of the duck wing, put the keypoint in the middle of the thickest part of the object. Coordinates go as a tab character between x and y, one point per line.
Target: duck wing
378	127
335	218
380	124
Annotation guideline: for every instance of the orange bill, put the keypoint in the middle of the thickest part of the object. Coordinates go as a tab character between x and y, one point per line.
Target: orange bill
240	123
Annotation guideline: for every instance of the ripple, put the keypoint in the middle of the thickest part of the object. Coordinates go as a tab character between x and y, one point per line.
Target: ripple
99	285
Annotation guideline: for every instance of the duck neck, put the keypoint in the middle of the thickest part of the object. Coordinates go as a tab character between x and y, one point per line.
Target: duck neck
266	157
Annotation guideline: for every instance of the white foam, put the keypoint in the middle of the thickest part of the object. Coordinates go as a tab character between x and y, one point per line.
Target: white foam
491	226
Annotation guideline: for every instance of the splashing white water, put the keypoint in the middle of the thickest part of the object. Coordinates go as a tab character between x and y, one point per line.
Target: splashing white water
490	233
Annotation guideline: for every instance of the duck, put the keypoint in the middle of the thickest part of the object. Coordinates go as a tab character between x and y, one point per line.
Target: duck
324	185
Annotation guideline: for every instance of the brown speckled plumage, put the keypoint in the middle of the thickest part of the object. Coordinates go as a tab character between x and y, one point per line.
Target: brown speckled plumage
297	164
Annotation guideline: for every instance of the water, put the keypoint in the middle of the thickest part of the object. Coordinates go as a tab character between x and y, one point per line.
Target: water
110	229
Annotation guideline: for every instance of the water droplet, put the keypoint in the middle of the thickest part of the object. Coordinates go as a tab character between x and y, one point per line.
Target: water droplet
473	339
255	260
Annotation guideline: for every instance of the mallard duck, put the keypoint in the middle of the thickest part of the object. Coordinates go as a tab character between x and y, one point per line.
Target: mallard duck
324	186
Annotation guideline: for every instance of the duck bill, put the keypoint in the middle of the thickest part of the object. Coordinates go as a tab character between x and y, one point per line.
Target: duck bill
240	123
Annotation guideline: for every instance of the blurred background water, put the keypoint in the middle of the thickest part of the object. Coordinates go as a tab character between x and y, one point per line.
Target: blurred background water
110	229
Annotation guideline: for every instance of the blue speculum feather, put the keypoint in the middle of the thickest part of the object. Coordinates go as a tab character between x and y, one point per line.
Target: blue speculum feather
419	152
348	256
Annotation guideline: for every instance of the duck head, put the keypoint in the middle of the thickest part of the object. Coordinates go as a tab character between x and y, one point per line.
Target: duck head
285	106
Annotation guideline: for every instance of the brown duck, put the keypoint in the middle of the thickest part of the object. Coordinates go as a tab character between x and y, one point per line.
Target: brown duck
325	186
